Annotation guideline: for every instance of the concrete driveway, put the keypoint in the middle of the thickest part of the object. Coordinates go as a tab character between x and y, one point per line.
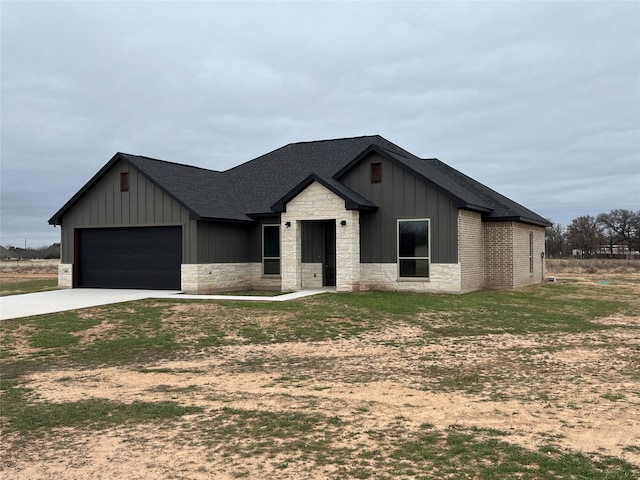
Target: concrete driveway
29	304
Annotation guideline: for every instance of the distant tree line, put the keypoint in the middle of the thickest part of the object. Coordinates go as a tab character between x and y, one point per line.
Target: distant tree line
611	235
18	253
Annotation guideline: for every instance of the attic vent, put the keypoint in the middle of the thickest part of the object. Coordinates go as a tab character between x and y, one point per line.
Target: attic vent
376	173
124	181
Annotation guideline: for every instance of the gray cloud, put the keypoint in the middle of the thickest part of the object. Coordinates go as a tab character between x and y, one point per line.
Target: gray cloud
538	100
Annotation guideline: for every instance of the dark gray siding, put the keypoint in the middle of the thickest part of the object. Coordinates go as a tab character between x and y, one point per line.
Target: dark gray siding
401	195
144	204
220	242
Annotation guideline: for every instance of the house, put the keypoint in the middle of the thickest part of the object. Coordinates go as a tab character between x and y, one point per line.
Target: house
354	213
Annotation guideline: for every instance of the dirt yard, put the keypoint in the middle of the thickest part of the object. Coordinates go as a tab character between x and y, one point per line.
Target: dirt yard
571	392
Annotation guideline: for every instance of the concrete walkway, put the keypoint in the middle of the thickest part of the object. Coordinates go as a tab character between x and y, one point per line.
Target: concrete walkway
29	304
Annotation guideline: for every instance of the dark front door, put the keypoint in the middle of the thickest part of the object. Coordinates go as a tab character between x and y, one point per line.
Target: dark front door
329	270
132	257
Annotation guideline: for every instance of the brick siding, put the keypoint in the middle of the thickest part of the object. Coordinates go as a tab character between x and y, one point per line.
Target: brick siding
471	250
507	254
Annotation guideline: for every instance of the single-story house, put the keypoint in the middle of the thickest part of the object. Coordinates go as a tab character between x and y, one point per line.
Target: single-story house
353	213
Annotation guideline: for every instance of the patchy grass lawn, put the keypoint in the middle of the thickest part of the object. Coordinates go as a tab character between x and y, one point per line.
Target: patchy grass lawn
13	286
540	383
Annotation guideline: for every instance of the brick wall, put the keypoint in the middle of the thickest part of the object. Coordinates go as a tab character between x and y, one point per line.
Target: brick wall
522	274
498	255
471	252
507	254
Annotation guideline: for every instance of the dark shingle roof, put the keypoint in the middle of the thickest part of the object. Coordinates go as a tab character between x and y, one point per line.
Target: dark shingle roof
264	180
262	185
206	193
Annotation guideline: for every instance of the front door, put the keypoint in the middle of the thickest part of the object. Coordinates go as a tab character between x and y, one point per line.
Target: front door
329	268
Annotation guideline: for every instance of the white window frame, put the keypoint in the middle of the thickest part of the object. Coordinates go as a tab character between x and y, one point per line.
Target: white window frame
279	258
428	258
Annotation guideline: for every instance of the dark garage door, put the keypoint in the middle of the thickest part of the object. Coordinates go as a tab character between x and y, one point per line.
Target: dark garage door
140	257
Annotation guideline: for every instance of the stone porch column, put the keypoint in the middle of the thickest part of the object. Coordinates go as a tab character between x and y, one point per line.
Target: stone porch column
348	251
290	254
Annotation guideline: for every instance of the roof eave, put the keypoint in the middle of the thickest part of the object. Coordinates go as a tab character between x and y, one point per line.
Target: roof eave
362	207
475	208
522	219
56	219
247	221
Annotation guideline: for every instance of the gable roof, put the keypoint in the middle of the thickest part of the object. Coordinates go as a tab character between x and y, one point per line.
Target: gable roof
264	185
206	194
352	200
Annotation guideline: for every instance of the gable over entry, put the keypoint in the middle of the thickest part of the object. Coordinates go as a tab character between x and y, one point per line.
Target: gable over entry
317	203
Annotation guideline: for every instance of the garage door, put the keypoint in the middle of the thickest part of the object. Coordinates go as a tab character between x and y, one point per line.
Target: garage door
141	257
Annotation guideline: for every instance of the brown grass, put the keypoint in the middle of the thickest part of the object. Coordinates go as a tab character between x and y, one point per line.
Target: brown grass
591	266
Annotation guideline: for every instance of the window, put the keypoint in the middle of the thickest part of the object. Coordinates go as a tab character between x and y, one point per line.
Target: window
413	248
376	173
530	252
124	181
271	249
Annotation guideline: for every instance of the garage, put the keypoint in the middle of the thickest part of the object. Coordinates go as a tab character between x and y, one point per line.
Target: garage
132	257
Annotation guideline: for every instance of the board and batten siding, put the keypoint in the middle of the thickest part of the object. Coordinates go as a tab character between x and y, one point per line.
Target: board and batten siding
401	194
145	204
220	242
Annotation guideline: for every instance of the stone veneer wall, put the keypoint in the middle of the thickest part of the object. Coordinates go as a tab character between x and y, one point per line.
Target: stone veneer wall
318	203
217	277
214	277
471	250
444	278
263	282
65	275
311	275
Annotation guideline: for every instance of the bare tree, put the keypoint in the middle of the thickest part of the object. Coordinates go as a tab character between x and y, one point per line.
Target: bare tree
623	224
554	241
584	234
634	244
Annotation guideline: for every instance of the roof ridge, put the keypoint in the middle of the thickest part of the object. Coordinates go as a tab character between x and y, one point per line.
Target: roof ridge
401	152
144	157
284	147
332	140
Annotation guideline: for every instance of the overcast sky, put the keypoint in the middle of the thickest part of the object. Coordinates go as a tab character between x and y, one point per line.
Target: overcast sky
538	100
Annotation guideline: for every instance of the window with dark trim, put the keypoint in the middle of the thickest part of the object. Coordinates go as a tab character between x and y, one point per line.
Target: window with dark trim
376	173
124	181
413	248
530	252
271	249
